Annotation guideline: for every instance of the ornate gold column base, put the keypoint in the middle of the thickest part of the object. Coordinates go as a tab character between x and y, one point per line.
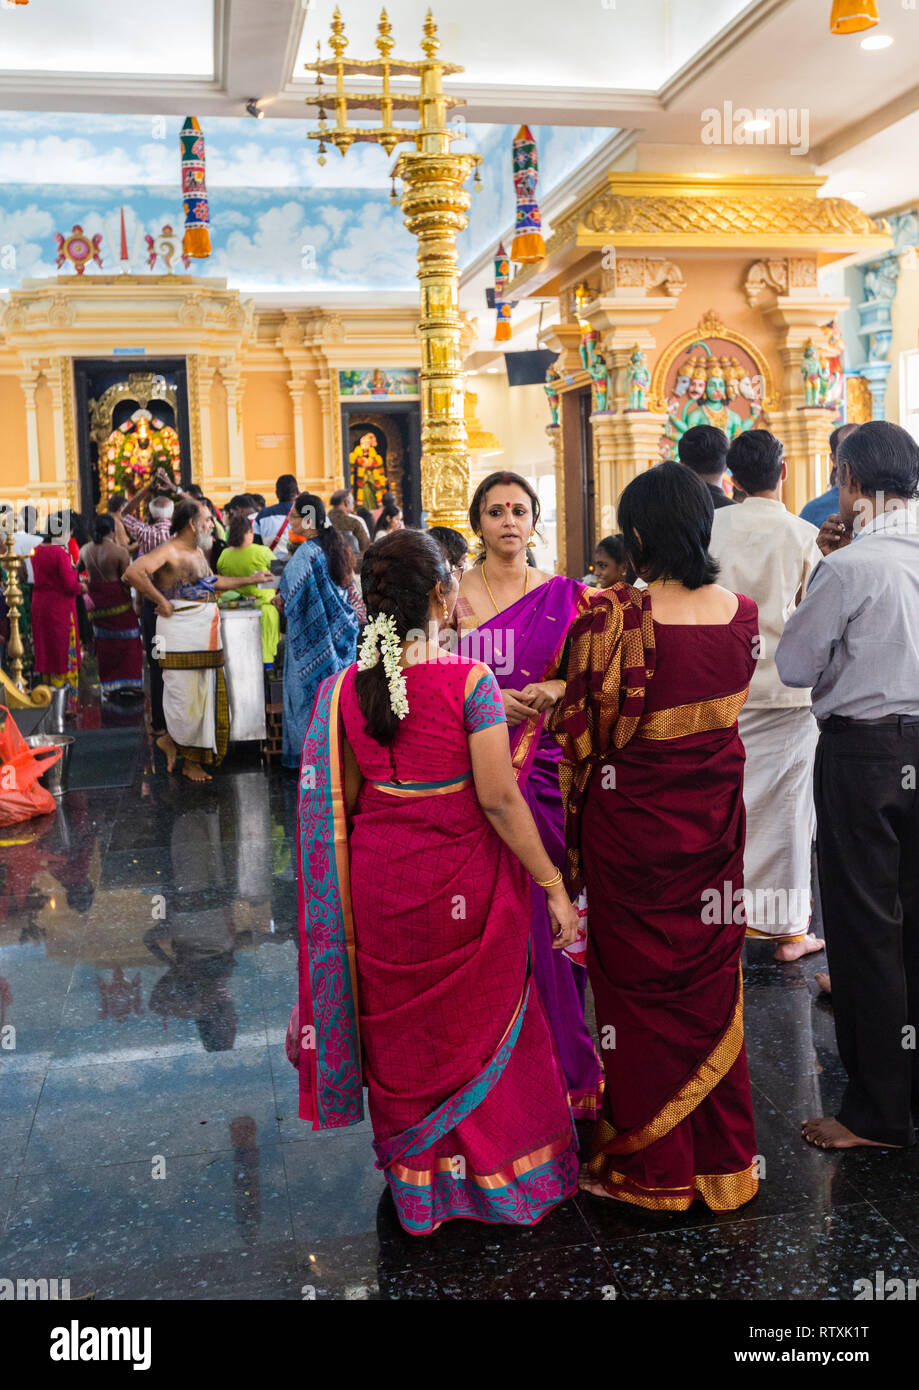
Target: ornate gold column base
805	434
14	698
624	446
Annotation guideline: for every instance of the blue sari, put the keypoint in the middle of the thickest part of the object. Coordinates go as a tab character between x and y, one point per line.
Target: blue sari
322	632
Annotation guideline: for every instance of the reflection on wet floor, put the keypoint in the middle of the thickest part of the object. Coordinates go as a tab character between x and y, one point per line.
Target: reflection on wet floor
149	1139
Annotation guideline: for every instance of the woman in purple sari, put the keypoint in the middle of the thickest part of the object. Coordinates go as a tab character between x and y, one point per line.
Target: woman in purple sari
515	618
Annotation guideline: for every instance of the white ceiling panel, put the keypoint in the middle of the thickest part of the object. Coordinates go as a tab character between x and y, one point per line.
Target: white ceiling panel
174	37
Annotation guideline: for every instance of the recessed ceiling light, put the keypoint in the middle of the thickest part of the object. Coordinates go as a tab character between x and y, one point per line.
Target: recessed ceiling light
494	369
877	41
756	125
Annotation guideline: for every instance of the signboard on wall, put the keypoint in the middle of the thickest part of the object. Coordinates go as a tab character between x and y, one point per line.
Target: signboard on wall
378	383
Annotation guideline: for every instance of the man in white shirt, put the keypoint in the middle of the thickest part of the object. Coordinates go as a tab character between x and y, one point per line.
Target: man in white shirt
767	553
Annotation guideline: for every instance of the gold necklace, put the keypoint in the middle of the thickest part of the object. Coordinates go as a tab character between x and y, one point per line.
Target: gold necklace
526	584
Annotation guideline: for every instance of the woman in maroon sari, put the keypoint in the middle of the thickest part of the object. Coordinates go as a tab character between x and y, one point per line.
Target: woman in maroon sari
514	618
416	974
116	628
653	777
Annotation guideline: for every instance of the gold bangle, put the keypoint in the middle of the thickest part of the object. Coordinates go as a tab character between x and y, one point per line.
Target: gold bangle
550	882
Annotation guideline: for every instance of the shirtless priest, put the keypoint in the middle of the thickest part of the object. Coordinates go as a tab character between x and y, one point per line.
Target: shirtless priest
178	580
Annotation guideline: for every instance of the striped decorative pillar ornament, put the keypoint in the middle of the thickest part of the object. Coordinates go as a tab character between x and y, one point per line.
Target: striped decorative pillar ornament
197	241
502	305
528	244
852	16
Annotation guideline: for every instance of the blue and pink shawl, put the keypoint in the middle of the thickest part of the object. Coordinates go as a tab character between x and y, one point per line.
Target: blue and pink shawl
322	630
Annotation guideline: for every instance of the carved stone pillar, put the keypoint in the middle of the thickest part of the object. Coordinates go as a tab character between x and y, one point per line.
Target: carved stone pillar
804	430
28	380
206	374
55	379
331	452
554	435
624	446
236	468
295	386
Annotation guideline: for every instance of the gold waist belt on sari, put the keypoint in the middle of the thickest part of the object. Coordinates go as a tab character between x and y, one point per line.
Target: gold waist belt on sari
423	788
700	717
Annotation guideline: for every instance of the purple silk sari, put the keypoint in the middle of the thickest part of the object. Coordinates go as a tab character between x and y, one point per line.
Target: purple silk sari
521	645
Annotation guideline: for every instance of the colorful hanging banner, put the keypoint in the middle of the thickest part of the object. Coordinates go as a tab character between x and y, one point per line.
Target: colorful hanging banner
197	242
502	305
528	244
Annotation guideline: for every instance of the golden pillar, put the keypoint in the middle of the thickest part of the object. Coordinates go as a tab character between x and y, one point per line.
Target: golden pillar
435	204
13	692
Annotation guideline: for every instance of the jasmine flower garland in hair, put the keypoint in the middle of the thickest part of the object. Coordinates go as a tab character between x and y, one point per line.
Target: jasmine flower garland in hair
380	633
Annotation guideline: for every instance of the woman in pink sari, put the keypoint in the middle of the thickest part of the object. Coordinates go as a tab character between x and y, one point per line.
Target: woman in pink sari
515	618
416	977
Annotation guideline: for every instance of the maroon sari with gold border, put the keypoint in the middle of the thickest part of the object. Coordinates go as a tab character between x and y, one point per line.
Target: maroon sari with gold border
654	772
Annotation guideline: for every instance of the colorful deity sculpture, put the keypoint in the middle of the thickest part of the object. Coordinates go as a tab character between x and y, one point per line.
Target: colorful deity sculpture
639	379
599	376
814	387
588	346
551	390
713	409
834	353
368	472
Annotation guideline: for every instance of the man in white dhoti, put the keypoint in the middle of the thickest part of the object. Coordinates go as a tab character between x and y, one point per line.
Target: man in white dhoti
177	578
768	553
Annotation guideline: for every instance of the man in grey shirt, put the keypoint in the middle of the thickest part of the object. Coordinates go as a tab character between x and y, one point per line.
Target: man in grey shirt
855	640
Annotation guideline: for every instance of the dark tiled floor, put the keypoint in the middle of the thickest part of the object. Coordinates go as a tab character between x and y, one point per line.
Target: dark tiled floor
149	1139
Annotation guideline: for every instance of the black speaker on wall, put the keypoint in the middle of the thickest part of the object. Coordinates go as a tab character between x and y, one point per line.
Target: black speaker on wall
528	368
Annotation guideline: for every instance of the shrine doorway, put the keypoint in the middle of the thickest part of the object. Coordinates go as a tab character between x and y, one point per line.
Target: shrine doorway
121	400
397	431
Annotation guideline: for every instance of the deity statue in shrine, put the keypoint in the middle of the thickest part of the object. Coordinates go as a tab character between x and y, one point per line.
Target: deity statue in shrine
834	352
639	379
551	390
814	374
368	472
137	448
713	409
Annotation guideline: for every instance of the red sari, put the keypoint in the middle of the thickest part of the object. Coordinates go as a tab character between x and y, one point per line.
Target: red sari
658	829
55	632
415	968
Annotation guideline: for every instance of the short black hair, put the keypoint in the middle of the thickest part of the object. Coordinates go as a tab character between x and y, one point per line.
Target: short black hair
881	457
838	436
338	497
452	543
755	459
614	548
188	510
671	509
704	449
115	502
286	487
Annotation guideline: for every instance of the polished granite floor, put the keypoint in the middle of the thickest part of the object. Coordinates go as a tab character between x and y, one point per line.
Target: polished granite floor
149	1141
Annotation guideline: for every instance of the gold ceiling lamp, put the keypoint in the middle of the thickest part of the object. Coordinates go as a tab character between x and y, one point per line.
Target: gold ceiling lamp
435	203
852	16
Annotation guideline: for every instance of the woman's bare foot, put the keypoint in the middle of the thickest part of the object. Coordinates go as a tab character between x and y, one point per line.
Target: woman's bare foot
794	950
823	981
166	744
195	772
827	1133
586	1183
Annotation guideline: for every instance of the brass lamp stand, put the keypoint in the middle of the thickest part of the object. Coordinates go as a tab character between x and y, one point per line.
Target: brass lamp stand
435	203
